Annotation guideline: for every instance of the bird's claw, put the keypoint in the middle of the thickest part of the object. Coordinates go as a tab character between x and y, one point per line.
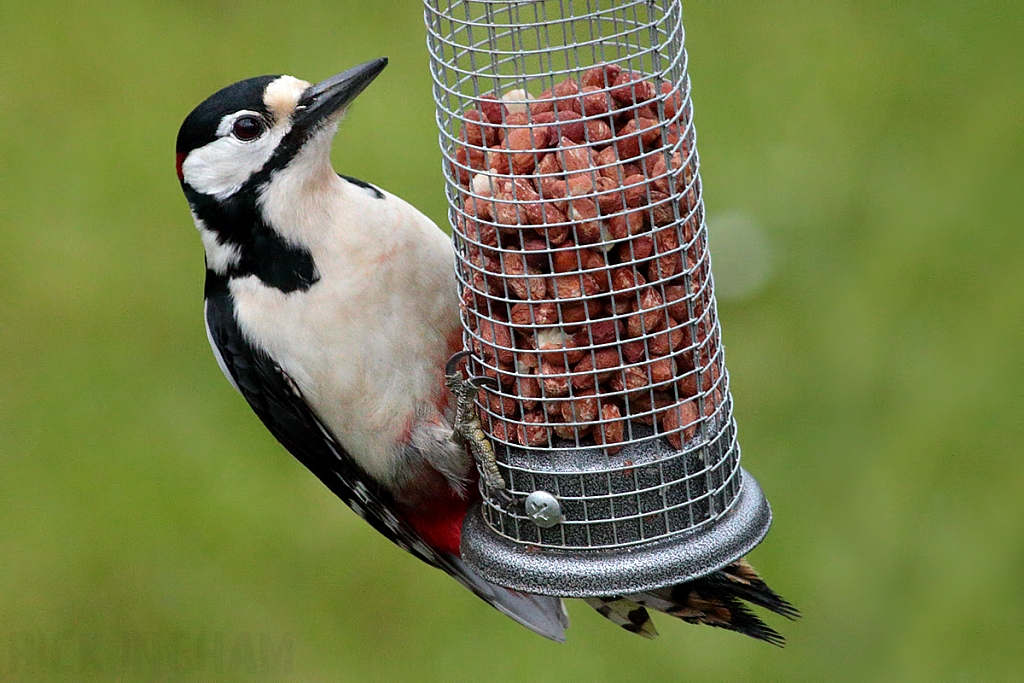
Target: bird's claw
483	382
467	429
452	366
504	499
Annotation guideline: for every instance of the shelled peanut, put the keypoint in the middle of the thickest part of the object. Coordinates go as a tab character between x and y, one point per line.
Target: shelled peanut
588	294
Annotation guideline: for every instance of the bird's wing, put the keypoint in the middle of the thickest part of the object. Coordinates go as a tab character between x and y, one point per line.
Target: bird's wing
279	404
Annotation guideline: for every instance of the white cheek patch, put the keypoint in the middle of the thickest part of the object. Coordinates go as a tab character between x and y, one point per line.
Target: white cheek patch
220	168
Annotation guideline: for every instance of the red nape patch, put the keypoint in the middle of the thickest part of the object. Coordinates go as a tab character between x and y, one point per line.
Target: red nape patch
441	525
179	160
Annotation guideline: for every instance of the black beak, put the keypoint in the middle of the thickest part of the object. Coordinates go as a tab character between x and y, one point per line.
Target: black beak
325	98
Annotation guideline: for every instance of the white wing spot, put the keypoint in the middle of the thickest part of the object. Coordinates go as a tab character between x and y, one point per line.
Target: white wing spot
361	493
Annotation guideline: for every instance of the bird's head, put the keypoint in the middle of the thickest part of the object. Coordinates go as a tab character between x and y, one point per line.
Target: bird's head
239	136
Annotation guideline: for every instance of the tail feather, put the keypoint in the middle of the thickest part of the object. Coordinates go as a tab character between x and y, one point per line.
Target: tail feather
713	600
625	613
748	585
696	605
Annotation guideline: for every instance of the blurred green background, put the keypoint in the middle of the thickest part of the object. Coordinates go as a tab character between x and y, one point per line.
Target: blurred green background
150	529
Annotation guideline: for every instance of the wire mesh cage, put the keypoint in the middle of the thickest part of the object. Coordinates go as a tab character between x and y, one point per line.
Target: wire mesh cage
587	296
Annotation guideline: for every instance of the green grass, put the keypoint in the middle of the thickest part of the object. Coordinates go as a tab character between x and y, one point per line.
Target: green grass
147	518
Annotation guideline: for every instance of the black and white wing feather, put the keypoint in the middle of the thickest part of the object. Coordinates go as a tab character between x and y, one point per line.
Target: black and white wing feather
279	404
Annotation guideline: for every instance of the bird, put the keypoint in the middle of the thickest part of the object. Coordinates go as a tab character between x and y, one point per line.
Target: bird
331	306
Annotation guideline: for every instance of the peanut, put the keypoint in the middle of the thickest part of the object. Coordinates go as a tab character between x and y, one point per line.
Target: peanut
583	409
612	430
603	76
476	131
528	389
631	88
597	365
492	108
553	379
630	379
527	315
600	332
593	230
531	432
595	102
680	423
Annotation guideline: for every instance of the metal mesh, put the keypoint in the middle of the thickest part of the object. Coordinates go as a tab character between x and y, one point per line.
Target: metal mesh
577	216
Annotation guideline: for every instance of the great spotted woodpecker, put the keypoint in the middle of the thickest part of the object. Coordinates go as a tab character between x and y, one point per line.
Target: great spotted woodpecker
331	307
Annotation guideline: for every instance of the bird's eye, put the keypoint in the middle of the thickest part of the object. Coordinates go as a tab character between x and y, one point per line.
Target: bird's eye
247	128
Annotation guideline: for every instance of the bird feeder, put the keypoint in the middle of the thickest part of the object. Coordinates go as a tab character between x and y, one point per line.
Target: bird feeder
576	205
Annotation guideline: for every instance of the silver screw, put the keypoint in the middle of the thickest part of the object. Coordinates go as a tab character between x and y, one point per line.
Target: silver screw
543	509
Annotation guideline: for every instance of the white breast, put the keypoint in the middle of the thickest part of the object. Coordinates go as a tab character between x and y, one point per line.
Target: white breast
367	343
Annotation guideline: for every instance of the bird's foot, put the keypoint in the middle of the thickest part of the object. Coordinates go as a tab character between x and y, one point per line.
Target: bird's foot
467	429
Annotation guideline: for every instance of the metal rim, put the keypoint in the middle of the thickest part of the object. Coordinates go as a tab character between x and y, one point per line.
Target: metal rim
580	574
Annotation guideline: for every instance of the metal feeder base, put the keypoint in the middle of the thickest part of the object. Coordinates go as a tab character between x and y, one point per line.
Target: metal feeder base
633	569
